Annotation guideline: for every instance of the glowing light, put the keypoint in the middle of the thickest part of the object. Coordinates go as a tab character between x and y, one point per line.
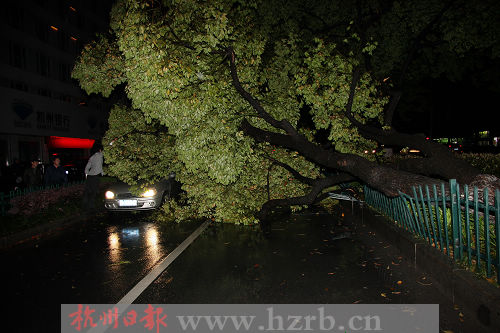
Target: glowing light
109	195
72	9
114	248
54	28
73	38
114	241
63	142
153	248
149	193
414	151
152	237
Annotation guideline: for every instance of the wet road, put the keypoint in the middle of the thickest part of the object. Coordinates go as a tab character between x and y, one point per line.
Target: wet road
99	262
300	263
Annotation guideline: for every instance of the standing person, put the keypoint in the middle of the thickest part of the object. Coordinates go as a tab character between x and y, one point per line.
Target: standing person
32	175
55	173
93	171
17	172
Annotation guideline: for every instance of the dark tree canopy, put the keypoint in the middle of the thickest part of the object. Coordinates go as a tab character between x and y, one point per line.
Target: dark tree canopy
259	104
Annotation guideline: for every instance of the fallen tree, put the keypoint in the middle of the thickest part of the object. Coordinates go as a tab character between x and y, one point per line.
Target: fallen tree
223	91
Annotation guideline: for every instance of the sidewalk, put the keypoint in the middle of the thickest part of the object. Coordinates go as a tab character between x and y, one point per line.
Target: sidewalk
50	228
467	303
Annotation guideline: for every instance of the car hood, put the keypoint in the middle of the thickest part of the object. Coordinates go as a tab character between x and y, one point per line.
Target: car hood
121	187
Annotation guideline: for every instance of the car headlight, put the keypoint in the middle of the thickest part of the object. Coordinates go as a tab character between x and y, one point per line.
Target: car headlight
109	195
149	193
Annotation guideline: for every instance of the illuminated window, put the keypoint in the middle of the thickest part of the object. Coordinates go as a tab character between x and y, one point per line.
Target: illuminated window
484	134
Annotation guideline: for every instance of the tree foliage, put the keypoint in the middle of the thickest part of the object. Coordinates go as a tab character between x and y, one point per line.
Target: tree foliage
198	72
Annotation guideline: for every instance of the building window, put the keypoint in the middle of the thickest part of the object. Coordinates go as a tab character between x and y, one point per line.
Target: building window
14	16
42	64
42	31
61	8
63	41
17	55
80	21
44	92
64	72
41	3
18	85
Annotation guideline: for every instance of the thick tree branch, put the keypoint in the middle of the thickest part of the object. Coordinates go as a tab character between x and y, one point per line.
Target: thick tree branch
319	185
295	173
439	162
390	107
356	75
254	103
387	180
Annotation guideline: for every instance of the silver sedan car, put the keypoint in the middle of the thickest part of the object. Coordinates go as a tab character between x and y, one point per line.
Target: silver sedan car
119	196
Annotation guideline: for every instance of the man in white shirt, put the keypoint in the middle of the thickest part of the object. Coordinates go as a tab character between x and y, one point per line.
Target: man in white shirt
93	171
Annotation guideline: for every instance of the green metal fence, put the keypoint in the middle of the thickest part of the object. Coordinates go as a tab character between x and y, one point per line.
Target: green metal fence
6	197
462	225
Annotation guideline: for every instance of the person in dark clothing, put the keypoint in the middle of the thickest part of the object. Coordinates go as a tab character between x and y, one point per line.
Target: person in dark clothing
55	174
93	172
32	176
17	173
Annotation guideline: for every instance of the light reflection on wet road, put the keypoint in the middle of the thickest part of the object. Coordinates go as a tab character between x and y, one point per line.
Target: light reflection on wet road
97	262
100	261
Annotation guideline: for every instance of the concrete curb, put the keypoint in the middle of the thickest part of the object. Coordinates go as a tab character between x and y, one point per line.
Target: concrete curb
481	297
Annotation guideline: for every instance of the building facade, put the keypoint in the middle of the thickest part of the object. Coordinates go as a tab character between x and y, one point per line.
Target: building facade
39	102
